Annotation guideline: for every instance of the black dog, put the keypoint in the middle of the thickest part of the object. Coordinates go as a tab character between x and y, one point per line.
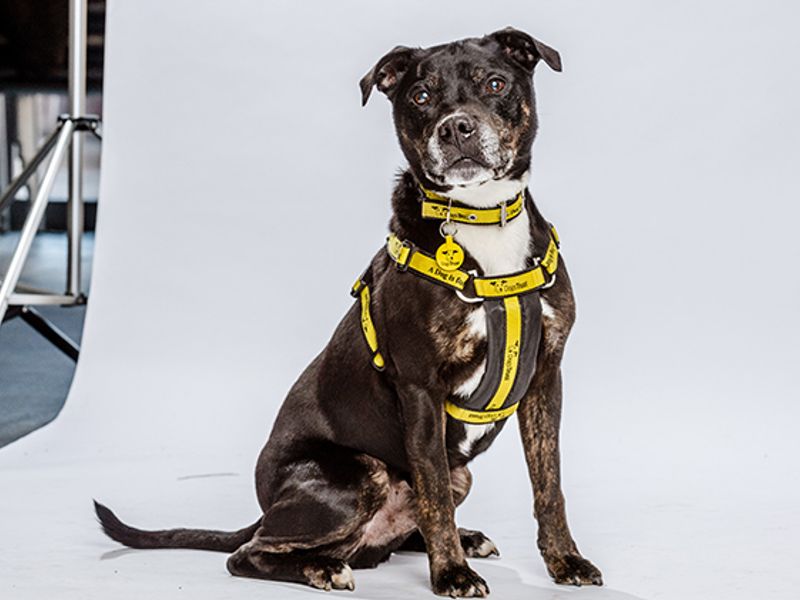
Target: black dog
461	321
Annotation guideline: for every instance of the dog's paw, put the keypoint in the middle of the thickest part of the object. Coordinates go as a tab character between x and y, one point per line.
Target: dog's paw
459	581
328	575
476	544
573	569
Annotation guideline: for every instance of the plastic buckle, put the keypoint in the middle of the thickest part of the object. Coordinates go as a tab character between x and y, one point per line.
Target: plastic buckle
357	287
403	266
360	283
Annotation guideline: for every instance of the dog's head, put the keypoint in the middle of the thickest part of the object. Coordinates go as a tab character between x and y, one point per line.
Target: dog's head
464	112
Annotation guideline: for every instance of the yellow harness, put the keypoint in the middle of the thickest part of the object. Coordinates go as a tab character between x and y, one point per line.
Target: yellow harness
506	305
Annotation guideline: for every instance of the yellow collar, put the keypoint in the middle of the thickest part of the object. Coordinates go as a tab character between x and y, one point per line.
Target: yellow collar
436	206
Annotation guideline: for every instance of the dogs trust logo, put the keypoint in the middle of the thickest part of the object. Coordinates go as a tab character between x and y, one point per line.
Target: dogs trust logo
507	287
500	286
512	354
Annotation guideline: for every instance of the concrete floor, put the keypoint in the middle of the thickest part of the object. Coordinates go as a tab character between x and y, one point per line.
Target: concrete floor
34	375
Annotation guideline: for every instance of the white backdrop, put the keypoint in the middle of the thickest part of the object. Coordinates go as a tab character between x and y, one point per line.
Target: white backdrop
237	158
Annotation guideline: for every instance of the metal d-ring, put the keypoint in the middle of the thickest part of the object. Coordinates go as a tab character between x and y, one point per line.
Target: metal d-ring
467	299
550	283
447	227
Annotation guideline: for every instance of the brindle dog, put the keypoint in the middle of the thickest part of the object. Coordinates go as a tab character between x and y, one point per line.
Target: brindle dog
361	463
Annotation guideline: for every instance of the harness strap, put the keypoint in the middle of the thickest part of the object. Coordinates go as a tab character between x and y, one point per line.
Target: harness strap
360	290
494	409
510	353
437	207
513	330
409	257
479	417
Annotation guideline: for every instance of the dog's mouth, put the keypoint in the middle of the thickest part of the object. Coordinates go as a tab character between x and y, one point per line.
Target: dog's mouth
466	170
467	162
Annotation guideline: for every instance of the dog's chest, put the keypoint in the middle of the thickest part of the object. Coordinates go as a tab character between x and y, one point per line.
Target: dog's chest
497	250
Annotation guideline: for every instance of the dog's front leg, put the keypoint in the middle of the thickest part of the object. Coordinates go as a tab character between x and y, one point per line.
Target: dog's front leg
424	425
539	420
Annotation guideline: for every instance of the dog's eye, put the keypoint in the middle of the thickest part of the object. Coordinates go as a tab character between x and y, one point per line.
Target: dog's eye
421	97
495	85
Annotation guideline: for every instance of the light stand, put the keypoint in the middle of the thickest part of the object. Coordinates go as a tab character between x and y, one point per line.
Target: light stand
66	139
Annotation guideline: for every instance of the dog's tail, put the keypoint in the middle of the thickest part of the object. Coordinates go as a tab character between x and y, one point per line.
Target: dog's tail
199	539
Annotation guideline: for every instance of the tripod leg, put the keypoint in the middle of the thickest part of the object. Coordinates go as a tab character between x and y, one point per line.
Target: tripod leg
75	215
78	27
30	168
34	217
50	332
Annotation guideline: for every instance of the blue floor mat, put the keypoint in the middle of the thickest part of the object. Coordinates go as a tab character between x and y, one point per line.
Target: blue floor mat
34	375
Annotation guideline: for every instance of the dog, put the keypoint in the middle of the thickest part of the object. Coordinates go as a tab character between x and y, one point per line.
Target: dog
459	322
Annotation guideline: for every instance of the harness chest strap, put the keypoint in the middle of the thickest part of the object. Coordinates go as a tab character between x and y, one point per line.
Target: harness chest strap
409	257
494	409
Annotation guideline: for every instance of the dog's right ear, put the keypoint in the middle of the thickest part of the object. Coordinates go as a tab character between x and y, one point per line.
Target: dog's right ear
386	73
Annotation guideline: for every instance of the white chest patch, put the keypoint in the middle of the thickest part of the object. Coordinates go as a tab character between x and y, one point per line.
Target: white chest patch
498	250
473	433
547	310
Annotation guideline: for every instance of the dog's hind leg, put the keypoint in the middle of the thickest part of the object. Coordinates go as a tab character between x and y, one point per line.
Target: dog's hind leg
316	570
315	521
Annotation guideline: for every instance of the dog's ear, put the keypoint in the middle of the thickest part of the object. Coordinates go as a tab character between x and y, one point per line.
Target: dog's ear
525	50
386	73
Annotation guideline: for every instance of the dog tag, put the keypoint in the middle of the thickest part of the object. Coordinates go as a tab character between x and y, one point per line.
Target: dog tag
449	256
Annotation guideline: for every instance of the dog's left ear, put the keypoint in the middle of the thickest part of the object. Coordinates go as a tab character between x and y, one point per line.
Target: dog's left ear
386	73
525	50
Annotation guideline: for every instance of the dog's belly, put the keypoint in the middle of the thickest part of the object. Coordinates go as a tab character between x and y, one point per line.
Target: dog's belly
393	521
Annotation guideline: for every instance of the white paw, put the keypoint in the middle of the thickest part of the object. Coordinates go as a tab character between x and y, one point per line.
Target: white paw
487	548
344	580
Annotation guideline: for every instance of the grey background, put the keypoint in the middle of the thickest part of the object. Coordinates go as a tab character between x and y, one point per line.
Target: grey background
244	187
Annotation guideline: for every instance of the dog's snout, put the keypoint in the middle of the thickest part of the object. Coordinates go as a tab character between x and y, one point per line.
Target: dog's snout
456	128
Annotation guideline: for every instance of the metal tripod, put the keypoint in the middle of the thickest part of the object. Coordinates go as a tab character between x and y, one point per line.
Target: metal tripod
66	139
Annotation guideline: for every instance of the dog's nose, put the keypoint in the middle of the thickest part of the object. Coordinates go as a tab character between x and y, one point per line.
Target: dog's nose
455	129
